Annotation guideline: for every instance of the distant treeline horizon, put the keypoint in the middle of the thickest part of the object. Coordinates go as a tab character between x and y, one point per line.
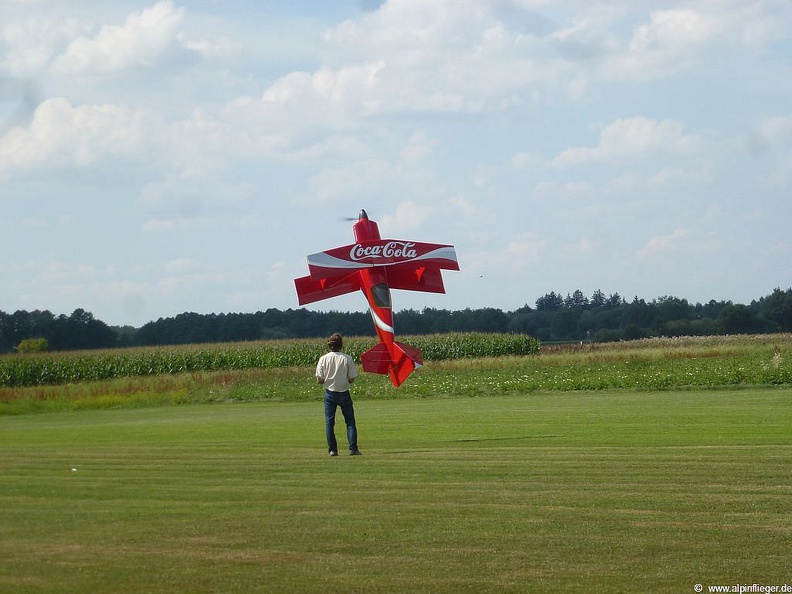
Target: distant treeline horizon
554	318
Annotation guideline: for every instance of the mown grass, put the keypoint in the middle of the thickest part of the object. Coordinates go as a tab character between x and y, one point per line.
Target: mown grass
612	491
648	466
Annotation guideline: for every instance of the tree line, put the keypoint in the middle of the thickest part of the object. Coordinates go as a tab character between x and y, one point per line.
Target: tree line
554	317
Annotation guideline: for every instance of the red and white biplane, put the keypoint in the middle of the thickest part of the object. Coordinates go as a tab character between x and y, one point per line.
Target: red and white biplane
375	266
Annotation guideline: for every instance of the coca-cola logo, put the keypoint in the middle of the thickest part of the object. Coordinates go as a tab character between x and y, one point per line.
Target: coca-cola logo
390	250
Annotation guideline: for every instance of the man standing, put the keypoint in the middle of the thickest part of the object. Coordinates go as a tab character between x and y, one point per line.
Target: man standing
336	371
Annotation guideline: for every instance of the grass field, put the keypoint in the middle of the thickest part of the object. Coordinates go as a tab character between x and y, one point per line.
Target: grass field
625	490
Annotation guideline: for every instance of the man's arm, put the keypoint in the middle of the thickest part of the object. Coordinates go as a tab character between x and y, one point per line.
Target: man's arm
351	370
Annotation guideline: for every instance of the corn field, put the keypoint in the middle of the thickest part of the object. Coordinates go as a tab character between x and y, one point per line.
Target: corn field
71	367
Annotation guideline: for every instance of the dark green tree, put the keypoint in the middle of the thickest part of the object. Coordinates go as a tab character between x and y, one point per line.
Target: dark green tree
550	302
598	299
738	319
777	307
576	299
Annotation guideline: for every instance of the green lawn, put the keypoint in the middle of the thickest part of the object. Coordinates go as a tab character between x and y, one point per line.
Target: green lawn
610	491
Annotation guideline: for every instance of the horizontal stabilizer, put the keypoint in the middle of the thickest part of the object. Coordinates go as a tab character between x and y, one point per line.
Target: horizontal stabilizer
396	359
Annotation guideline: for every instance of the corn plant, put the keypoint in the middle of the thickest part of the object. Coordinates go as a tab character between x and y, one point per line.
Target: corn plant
59	368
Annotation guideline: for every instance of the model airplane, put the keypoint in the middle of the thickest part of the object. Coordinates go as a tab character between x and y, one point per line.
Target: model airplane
375	266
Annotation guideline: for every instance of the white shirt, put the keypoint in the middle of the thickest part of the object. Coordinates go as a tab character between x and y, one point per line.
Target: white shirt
337	370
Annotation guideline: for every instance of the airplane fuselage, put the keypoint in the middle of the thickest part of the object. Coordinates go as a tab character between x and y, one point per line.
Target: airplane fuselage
374	283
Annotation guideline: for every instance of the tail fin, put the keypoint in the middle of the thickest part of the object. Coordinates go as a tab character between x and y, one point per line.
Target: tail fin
397	359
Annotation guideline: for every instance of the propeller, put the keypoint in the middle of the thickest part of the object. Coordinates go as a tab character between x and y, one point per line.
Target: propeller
363	215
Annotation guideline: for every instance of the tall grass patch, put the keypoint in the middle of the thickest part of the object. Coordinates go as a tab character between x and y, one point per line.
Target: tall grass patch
640	365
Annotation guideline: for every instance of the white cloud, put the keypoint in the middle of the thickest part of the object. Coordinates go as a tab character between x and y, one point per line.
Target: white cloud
679	176
332	148
186	266
329	98
526	248
632	139
777	130
61	134
419	146
588	246
447	57
698	35
675	28
193	198
524	160
221	47
190	275
350	182
59	272
503	262
662	244
408	216
140	42
48	221
467	209
169	225
31	43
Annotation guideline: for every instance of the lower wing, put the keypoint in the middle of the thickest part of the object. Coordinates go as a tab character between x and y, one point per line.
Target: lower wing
415	278
309	290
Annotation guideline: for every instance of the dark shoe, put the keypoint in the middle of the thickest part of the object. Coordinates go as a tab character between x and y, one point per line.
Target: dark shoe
332	453
355	453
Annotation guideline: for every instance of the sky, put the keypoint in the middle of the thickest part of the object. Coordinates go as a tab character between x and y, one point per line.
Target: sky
160	157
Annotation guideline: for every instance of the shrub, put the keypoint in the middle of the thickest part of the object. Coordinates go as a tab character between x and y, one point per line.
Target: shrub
33	345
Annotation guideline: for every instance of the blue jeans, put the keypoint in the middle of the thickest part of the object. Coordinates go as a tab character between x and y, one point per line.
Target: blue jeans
332	400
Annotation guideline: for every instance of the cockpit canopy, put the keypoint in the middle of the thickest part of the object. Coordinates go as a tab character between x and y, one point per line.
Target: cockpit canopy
382	296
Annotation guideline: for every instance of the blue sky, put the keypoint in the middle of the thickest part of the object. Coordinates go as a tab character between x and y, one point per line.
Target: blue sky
172	156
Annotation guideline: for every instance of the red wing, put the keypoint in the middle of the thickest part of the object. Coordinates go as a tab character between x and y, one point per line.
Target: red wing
310	290
415	278
409	265
382	252
333	262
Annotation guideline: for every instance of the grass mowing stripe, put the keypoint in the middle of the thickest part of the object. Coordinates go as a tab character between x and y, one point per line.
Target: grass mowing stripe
612	491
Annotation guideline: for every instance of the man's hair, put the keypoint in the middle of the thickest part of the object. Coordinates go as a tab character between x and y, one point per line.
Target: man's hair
335	342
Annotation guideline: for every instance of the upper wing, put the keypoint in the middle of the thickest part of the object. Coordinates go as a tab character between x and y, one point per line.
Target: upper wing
382	252
409	265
